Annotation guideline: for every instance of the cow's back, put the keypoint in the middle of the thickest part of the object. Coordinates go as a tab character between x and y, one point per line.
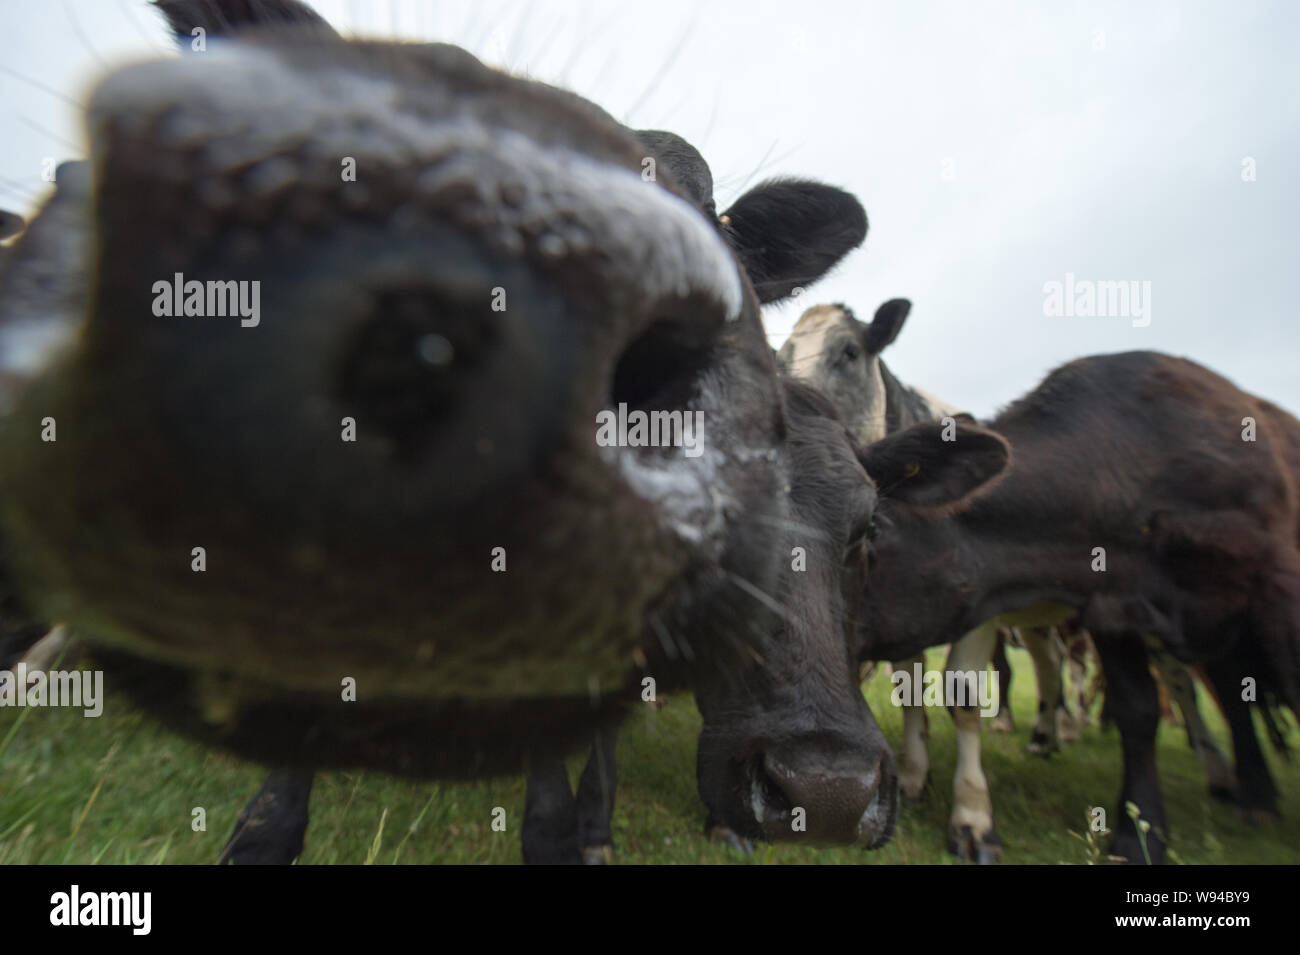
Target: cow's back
1142	431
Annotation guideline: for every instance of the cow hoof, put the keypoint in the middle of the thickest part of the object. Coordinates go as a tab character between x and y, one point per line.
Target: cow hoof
985	850
597	855
914	792
920	799
1070	731
1004	722
1040	745
258	853
729	838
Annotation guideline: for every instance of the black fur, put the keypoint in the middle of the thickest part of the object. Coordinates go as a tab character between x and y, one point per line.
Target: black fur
790	232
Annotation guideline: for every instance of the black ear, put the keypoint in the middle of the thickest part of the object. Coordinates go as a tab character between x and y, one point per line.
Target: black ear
226	17
884	328
10	224
917	466
788	233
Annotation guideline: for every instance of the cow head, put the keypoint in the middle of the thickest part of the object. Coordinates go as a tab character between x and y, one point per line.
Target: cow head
830	349
919	565
383	474
789	750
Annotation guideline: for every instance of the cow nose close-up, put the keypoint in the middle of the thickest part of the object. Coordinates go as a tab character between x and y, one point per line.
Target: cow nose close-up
845	797
419	313
461	288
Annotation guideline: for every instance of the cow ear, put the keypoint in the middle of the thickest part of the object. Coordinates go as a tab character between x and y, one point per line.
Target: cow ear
788	233
884	328
917	466
227	17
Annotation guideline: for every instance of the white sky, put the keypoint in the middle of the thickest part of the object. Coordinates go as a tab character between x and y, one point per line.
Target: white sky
1123	163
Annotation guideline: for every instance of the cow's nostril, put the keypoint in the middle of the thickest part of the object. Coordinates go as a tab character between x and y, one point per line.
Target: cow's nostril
768	797
403	366
660	368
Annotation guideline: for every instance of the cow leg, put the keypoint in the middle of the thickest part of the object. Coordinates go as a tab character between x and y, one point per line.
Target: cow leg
970	829
595	804
1076	655
1005	721
1182	688
550	830
1047	656
1256	792
1133	704
914	753
271	827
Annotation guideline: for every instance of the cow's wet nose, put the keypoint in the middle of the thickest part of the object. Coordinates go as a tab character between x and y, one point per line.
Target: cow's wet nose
478	297
830	797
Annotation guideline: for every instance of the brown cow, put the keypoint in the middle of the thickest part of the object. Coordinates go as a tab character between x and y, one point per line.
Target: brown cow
1183	524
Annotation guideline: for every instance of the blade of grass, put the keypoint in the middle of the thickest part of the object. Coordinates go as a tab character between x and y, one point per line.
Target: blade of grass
82	818
415	825
378	840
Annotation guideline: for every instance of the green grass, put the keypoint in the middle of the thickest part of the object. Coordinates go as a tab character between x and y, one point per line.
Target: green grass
119	789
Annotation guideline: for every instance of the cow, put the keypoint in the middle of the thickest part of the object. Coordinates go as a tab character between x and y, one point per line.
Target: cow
840	355
1184	527
561	826
1050	649
382	483
272	826
751	783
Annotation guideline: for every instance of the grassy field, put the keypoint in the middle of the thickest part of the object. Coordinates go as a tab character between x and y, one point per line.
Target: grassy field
119	789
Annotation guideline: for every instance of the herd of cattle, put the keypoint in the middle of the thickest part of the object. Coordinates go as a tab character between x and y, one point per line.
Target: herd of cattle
393	484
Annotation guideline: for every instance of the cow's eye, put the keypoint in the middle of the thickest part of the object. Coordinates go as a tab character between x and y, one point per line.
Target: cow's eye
872	529
851	351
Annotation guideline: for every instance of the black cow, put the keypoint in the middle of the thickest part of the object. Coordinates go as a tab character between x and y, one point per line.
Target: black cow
833	350
1183	523
380	482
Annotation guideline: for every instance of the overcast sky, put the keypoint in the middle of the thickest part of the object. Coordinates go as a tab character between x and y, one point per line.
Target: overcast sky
996	147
